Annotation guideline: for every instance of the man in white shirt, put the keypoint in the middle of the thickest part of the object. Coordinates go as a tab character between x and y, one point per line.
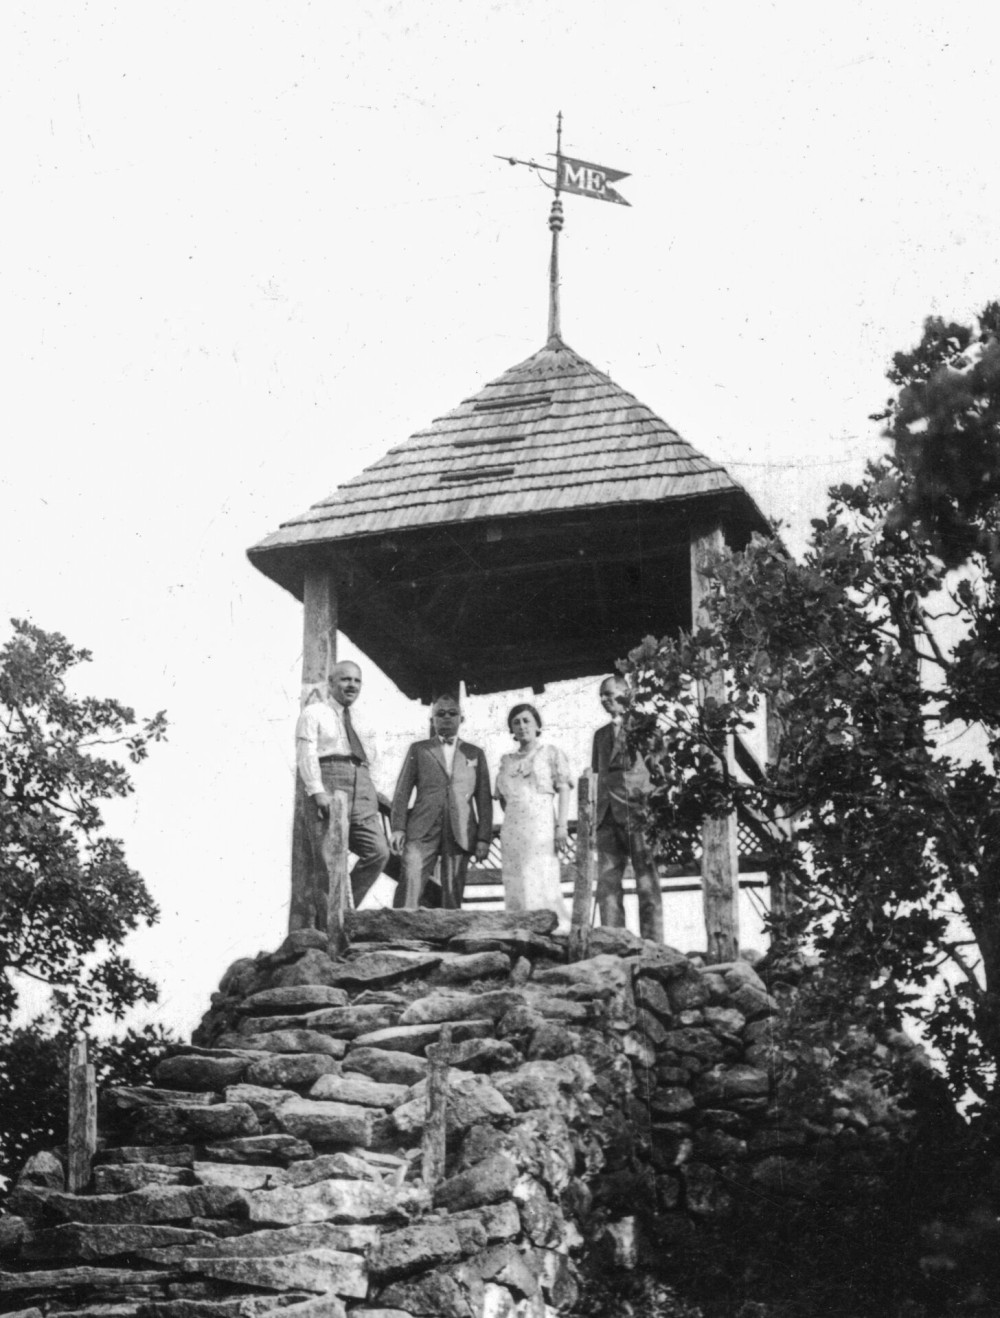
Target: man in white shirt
331	757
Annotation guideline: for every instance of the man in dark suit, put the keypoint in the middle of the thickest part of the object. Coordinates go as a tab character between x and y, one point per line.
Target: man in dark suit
622	791
451	816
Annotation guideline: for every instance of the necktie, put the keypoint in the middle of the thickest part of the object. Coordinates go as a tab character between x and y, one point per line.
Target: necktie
448	741
354	741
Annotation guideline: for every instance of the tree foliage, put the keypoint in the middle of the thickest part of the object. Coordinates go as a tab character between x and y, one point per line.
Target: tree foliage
875	654
68	898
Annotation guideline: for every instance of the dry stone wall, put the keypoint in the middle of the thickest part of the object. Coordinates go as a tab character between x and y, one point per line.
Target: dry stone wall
275	1163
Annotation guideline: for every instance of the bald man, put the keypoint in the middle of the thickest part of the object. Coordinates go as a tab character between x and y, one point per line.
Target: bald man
331	757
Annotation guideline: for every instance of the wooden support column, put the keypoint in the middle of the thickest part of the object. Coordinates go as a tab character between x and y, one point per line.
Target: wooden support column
720	860
586	867
319	654
82	1136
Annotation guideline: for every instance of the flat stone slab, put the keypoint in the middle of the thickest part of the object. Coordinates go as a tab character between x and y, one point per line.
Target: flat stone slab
269	1243
122	1178
243	1176
382	969
65	1278
290	1070
195	1072
336	1201
357	1089
328	1123
332	1166
385	1066
268	1149
348	1022
166	1203
94	1242
415	1038
166	1155
311	1270
437	927
292	999
460	968
261	1099
445	1005
414	1248
293	1041
166	1122
117	1099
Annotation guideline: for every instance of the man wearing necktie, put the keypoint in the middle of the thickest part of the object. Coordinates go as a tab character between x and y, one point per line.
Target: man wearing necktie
331	757
451	816
622	791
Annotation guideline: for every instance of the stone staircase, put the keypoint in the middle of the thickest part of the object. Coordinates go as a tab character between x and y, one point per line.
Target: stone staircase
276	1163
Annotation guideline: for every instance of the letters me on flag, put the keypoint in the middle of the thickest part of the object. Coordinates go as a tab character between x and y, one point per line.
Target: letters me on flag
589	180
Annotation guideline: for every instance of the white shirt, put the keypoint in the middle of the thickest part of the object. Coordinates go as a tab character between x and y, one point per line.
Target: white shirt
448	752
319	732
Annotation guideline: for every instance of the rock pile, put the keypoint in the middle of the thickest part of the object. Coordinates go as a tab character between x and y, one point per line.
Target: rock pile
276	1161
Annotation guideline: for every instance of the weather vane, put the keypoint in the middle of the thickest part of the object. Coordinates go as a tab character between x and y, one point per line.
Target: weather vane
581	177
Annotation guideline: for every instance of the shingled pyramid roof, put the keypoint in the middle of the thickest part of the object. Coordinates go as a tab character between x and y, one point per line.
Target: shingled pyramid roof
537	532
550	434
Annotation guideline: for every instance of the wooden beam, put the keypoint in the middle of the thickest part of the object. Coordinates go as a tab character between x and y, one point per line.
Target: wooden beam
319	654
82	1135
434	1145
586	869
720	843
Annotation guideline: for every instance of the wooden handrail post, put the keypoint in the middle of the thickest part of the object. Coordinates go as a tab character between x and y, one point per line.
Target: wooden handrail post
333	849
82	1135
434	1145
586	866
720	858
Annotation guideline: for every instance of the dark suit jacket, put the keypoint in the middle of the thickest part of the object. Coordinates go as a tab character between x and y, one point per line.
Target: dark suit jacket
622	780
465	796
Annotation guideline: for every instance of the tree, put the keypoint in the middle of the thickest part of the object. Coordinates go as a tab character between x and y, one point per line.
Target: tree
876	652
67	896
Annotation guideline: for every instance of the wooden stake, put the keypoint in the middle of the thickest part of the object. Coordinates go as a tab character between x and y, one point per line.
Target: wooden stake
82	1138
334	853
586	865
720	860
319	654
434	1145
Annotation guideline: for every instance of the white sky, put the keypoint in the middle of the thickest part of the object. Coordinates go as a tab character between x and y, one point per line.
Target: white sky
247	247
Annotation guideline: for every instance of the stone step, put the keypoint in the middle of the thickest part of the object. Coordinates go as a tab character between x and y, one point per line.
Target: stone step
439	927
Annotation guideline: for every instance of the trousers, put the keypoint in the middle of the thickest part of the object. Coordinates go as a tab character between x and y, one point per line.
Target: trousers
617	845
366	836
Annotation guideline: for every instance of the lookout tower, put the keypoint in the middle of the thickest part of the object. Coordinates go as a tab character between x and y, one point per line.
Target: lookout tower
560	517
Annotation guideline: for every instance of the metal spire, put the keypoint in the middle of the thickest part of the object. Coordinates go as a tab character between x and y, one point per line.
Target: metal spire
555	224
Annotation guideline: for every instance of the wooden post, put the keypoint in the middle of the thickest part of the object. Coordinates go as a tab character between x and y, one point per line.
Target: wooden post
435	1138
720	860
82	1140
586	865
319	654
334	853
777	878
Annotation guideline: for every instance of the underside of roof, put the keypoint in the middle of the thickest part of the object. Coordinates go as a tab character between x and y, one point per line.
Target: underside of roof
535	532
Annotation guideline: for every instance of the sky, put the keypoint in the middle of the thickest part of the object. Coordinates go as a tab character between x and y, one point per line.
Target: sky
246	248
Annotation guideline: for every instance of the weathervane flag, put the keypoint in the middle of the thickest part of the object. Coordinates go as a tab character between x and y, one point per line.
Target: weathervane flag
589	180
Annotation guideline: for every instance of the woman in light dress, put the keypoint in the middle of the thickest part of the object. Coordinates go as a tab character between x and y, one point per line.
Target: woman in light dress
528	780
